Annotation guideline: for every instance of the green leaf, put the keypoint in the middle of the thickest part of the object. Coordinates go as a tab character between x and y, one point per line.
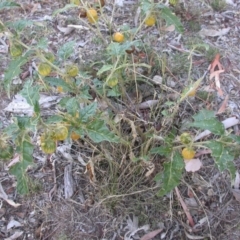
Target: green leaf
98	132
162	150
54	119
72	106
27	123
104	68
19	169
19	25
117	49
206	120
58	82
172	173
12	71
223	156
31	93
191	88
88	111
170	137
43	43
66	50
146	6
65	8
8	4
172	19
235	138
114	92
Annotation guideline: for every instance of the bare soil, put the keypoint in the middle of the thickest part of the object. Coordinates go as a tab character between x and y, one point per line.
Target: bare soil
94	212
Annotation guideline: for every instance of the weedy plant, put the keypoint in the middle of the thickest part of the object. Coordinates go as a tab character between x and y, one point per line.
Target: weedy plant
56	72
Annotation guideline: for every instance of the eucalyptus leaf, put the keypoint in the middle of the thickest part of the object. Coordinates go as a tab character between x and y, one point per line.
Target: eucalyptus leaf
172	19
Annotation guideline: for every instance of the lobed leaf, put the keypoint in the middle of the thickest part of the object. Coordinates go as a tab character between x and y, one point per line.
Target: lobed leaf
206	120
223	156
162	150
12	71
65	51
71	104
172	174
19	169
19	25
31	93
98	132
42	43
8	4
57	82
88	111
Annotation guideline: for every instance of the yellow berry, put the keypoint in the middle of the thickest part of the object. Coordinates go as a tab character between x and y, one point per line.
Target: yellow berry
75	136
16	50
173	2
150	20
60	89
76	2
118	37
44	69
185	138
60	133
92	15
112	82
47	144
72	70
188	153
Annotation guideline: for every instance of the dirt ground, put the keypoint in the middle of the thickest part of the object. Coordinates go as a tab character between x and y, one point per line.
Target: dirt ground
96	210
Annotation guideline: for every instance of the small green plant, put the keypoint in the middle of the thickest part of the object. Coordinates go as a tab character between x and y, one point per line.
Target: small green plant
224	149
218	5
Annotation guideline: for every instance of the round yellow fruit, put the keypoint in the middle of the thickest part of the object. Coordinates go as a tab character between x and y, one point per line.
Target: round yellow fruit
75	136
185	138
44	69
59	89
76	2
150	20
47	144
60	133
92	15
72	70
173	2
118	37
16	50
188	153
112	82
